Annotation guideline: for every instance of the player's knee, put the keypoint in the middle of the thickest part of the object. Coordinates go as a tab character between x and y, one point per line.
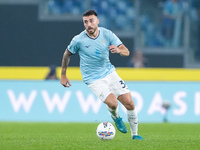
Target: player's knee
112	104
130	105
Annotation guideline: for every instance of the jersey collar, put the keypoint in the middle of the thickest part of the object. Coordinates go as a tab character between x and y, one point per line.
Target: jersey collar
91	37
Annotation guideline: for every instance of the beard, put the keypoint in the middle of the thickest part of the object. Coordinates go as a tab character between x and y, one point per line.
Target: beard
91	31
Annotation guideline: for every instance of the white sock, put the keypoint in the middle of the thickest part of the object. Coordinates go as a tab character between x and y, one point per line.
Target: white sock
114	112
133	121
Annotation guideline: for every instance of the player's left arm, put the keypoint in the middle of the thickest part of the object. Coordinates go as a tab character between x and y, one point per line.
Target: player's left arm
122	50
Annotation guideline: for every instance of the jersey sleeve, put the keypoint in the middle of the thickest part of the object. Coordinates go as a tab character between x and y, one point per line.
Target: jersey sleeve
73	46
114	40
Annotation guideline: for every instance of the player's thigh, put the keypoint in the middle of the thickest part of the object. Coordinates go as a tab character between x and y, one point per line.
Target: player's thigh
121	91
111	101
127	101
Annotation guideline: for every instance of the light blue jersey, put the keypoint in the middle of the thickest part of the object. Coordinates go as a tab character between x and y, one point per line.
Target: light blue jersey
94	53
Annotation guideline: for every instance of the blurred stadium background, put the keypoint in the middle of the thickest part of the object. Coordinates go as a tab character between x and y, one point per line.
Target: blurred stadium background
45	27
35	33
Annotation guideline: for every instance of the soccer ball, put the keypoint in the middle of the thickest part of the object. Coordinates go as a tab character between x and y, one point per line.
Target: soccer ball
106	131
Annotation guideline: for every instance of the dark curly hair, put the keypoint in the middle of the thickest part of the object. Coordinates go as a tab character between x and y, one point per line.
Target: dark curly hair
90	12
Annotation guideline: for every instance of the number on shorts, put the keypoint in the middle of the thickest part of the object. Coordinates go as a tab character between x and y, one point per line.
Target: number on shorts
122	83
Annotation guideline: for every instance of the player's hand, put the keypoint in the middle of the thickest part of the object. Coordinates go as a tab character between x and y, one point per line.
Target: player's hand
113	49
65	81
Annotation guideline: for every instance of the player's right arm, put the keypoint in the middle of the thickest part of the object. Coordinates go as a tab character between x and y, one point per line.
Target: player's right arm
65	61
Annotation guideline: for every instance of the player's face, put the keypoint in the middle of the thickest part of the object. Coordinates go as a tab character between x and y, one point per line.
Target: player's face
91	24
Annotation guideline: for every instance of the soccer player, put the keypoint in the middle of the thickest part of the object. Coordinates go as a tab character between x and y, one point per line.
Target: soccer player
93	45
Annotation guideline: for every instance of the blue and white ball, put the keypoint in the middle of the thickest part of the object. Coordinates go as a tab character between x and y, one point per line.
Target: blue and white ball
106	131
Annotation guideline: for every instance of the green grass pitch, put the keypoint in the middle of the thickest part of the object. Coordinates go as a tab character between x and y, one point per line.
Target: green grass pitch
82	136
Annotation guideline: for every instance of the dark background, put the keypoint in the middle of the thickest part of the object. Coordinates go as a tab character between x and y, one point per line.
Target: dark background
27	41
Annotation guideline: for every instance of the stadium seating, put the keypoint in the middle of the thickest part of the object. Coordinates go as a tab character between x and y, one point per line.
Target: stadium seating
119	16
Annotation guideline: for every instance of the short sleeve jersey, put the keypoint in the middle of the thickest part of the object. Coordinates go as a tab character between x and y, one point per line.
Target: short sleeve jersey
94	53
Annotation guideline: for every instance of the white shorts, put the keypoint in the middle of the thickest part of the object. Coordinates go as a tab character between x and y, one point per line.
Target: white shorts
112	83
